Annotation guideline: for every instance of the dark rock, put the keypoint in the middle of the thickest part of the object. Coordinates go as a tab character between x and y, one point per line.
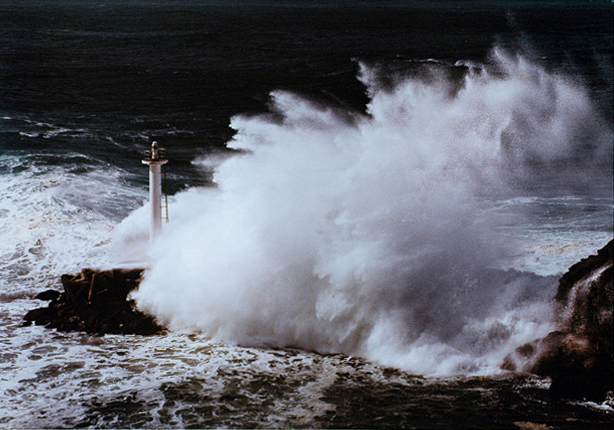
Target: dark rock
582	269
95	302
48	295
579	356
40	316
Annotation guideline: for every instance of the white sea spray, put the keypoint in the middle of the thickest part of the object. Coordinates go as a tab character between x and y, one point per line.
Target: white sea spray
371	234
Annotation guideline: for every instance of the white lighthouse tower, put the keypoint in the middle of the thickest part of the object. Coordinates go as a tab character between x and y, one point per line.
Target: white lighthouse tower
155	159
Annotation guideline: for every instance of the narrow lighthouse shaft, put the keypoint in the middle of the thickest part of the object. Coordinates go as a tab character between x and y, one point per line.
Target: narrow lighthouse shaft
155	198
155	159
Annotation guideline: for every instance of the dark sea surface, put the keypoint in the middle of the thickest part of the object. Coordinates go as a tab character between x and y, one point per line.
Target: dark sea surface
117	74
385	192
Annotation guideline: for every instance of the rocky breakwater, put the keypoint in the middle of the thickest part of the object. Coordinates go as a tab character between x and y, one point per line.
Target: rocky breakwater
95	302
578	356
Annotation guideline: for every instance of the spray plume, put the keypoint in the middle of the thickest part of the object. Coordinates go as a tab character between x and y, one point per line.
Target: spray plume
369	233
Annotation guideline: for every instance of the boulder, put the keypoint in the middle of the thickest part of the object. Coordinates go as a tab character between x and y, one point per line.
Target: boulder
48	295
95	302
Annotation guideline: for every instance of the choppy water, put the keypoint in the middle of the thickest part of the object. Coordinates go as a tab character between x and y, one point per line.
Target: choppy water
188	381
387	164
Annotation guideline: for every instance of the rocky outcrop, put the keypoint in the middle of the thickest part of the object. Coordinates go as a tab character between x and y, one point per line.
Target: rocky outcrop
95	302
578	357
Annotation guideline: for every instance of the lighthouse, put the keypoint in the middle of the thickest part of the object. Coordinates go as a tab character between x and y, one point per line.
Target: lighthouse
155	158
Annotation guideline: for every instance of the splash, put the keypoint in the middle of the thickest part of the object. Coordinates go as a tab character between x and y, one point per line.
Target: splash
53	219
370	233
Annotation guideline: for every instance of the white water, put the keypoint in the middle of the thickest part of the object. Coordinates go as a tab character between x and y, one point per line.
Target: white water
52	219
375	235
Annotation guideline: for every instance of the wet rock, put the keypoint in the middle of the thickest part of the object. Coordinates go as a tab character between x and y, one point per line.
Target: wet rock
48	295
40	316
95	302
579	356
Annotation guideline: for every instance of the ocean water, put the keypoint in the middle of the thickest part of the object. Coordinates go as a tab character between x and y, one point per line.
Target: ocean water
370	206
